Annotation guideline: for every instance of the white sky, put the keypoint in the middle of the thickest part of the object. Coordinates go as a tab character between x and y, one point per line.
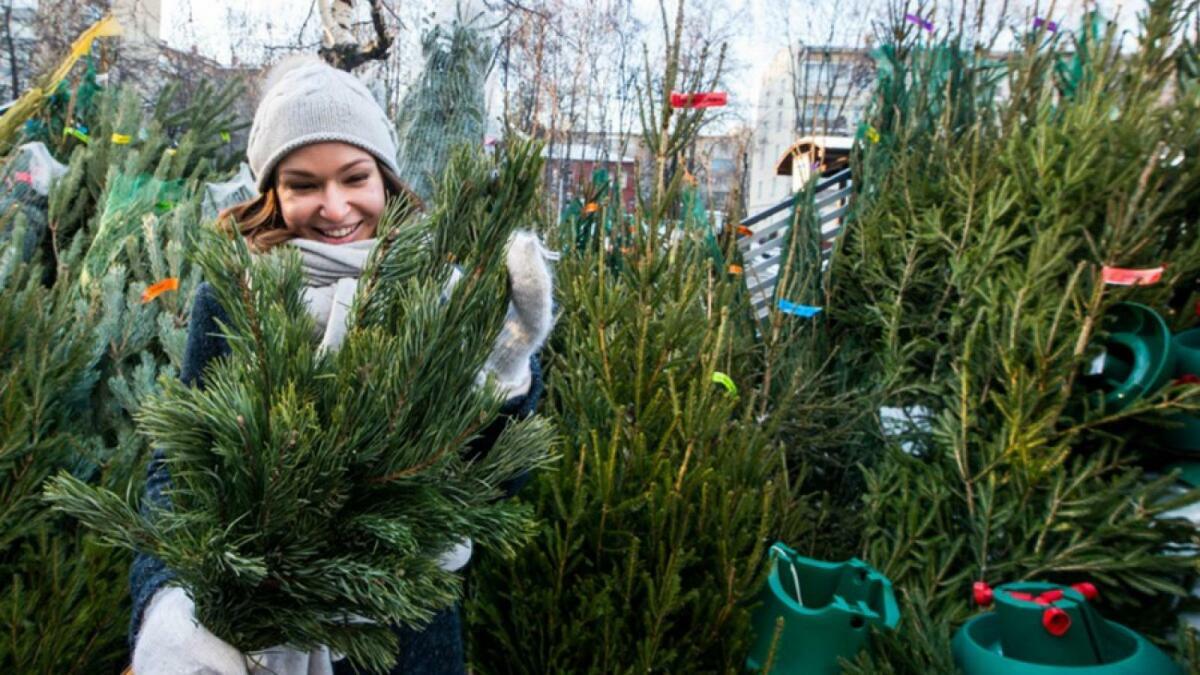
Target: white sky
223	29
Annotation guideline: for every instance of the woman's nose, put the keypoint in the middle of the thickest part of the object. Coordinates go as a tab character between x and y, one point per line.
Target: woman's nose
334	206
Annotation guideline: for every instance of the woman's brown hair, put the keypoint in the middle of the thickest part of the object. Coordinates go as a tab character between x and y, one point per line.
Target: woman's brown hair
260	219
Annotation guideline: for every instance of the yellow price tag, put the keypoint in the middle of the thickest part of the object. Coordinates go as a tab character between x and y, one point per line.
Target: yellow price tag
121	139
872	134
72	131
725	381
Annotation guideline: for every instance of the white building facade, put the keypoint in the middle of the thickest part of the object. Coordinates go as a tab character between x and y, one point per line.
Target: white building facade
819	90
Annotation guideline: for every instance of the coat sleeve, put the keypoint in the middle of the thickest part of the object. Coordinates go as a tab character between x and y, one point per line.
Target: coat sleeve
516	408
204	343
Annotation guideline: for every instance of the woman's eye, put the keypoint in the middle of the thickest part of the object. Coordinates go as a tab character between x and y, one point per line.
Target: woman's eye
360	178
300	187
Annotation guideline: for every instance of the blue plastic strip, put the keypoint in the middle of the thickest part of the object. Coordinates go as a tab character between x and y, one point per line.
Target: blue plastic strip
803	311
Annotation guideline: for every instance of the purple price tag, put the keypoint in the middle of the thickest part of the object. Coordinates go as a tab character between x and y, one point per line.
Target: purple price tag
923	23
1039	22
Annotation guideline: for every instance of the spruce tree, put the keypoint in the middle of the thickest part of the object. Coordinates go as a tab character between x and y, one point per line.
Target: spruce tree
968	284
84	347
676	476
61	590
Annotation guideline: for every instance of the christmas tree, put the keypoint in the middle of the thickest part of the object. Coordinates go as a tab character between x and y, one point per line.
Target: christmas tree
969	291
60	589
445	108
90	332
369	441
675	475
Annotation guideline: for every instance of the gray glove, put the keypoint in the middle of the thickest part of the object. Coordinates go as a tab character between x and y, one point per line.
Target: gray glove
530	314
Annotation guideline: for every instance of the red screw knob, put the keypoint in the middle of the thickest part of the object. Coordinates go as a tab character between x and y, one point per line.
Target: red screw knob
1020	595
1056	621
1087	590
983	594
1050	596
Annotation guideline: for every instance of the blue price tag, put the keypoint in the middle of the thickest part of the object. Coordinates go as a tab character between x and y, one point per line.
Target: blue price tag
804	311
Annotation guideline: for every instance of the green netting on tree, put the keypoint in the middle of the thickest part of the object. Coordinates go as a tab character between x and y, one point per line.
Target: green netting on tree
587	219
446	107
921	80
1090	42
129	201
80	100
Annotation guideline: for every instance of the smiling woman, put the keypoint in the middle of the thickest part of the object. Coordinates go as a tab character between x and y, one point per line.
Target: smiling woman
331	192
324	158
323	154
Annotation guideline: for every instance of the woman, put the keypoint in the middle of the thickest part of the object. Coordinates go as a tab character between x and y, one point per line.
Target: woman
323	155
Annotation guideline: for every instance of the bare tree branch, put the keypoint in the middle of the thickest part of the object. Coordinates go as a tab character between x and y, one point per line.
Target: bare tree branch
349	57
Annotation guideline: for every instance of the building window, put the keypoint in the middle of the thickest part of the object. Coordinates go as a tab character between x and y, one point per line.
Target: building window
812	72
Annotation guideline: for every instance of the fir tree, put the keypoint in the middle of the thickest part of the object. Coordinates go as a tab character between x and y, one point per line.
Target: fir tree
123	216
671	486
968	284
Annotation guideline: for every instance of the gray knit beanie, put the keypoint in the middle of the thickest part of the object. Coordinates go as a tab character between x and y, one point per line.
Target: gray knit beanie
308	101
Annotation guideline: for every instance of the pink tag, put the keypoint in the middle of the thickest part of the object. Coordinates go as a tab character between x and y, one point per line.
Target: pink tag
1119	276
23	177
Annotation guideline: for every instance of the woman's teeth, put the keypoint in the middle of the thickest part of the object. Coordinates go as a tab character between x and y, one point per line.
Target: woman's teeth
341	231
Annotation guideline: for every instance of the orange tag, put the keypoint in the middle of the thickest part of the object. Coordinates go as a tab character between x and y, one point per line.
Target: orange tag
1119	276
158	288
735	269
591	207
744	231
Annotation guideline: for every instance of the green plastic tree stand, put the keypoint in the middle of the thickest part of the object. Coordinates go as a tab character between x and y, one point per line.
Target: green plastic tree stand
1184	438
825	608
1048	629
1138	356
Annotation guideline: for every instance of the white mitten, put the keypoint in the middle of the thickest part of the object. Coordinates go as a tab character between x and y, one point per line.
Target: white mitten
530	314
172	642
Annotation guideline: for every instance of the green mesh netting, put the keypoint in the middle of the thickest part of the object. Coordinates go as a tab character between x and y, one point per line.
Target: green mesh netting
128	202
446	107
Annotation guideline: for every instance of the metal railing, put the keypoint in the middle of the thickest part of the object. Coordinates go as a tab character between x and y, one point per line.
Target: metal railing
763	235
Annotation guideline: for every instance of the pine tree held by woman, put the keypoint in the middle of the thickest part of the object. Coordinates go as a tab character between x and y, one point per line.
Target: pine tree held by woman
314	491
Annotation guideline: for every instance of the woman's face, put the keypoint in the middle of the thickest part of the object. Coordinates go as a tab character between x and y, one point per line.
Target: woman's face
330	192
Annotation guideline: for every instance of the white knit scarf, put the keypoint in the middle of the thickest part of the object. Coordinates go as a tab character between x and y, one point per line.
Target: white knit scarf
331	272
